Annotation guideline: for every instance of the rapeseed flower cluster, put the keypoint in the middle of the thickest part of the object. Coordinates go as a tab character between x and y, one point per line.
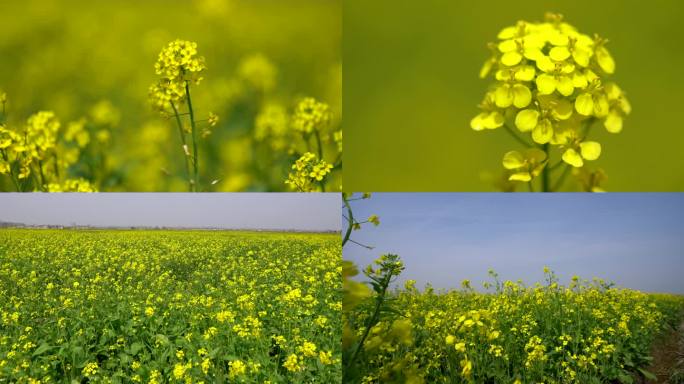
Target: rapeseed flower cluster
169	306
308	173
311	129
178	63
551	84
40	155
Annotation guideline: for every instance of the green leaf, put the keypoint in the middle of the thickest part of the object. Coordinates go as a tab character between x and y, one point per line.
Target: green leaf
647	374
41	349
136	347
625	378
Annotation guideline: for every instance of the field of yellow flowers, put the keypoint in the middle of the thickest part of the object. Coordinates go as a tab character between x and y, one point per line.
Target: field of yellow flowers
200	95
585	332
142	306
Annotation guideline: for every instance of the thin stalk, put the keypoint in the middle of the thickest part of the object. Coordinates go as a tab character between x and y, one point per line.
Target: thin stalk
561	179
307	141
56	165
14	180
556	165
373	320
42	176
350	221
362	245
318	144
545	172
185	147
517	137
194	136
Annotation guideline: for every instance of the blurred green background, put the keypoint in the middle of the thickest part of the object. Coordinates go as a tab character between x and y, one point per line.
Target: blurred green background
411	87
73	57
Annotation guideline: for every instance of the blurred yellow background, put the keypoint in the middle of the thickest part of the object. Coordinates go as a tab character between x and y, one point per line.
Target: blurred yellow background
95	59
411	87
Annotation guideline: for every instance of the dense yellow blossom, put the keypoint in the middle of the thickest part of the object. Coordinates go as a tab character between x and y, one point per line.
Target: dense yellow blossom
160	306
584	332
308	173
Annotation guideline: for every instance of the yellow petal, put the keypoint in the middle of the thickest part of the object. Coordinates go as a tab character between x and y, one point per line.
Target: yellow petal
573	158
584	104
605	60
601	107
559	53
546	84
511	58
613	122
477	123
526	120
508	32
533	53
486	67
545	64
503	75
538	169
535	154
565	86
579	80
625	105
521	96
543	132
558	38
520	176
525	73
507	46
562	109
590	150
581	56
613	92
493	120
513	160
503	97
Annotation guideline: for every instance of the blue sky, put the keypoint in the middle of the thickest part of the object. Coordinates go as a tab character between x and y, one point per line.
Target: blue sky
633	239
299	211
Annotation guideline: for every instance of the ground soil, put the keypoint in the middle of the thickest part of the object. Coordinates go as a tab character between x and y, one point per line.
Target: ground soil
665	353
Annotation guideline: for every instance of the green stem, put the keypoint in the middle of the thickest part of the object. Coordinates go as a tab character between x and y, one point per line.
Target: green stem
373	320
14	180
318	143
194	136
42	176
55	165
185	147
556	165
561	179
545	173
517	137
350	221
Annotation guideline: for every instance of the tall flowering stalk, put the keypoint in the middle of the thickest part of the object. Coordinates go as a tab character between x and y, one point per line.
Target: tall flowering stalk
550	86
311	121
371	322
179	66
